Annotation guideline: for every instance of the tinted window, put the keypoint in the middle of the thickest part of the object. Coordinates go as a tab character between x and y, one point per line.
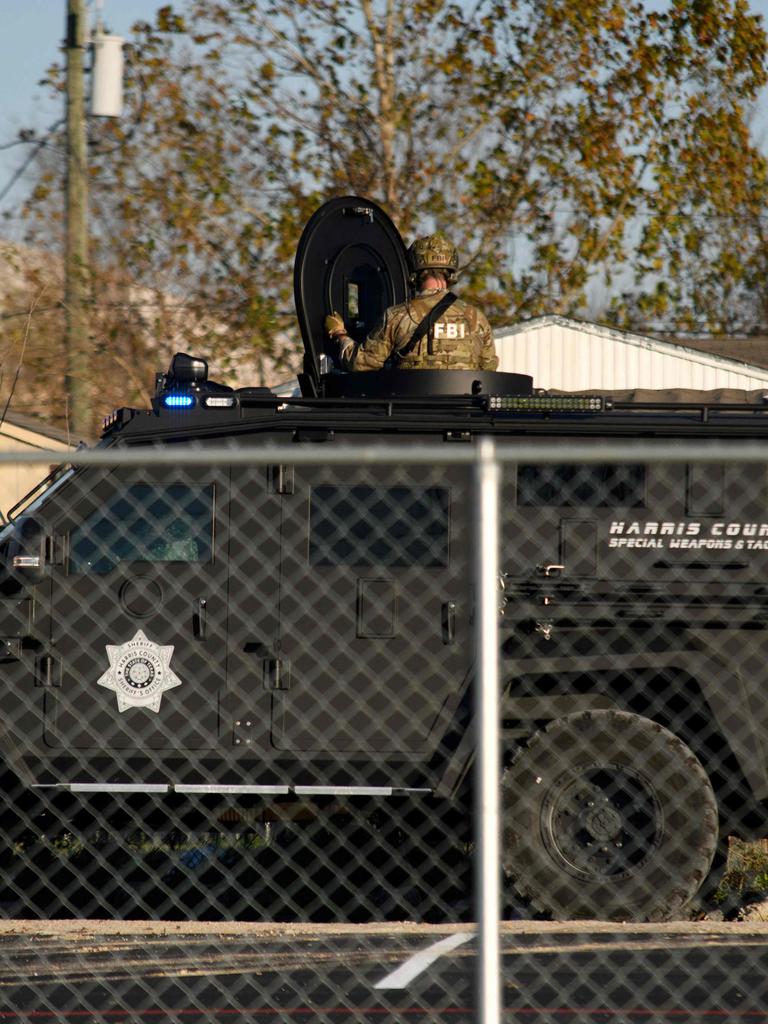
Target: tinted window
384	526
145	523
581	485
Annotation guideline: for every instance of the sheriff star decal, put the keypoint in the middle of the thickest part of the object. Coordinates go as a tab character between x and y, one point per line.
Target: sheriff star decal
139	672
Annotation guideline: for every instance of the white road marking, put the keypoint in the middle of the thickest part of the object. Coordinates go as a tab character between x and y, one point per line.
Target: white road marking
419	962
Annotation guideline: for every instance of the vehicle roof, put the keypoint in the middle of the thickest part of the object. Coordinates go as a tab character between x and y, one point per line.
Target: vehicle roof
620	414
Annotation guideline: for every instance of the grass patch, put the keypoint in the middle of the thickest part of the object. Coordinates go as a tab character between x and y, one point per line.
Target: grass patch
746	872
140	843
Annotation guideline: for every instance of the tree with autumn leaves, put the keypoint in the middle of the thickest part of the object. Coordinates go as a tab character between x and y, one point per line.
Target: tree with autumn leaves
560	143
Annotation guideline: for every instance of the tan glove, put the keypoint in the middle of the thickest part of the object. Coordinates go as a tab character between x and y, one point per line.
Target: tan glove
334	325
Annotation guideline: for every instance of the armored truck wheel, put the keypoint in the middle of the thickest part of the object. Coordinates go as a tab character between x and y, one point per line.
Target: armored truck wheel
608	815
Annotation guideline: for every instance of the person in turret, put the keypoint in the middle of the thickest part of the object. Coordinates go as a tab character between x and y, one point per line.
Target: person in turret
435	330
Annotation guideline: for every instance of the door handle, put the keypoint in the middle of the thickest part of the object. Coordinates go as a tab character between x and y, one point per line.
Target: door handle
200	619
549	569
449	622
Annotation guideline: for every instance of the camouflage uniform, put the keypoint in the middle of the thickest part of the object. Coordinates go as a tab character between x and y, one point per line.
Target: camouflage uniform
460	340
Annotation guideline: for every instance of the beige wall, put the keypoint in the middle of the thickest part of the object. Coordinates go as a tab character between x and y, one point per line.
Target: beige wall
18	478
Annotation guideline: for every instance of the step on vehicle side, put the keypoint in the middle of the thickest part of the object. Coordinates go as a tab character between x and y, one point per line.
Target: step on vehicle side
294	632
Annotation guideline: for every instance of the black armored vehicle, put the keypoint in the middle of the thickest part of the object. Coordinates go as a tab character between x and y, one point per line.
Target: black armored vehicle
299	634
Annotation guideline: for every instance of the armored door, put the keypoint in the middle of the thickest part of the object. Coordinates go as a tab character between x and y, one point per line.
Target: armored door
139	604
375	607
351	259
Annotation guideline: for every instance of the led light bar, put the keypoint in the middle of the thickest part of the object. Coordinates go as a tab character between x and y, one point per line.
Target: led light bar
219	401
177	401
545	403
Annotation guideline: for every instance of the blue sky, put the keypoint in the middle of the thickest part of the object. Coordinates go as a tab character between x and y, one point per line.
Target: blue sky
31	32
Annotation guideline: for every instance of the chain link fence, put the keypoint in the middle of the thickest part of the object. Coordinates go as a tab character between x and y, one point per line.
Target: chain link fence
247	685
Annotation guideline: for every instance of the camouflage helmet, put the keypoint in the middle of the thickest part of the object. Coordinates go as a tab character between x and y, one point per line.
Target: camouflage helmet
433	252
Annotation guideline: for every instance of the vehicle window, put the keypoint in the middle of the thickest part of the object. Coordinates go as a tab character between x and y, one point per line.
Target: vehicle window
383	526
568	485
145	523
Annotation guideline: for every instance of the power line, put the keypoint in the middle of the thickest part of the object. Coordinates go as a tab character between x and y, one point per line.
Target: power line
136	306
40	144
20	362
25	139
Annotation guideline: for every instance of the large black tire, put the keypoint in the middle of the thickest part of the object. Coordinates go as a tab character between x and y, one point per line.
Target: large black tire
608	816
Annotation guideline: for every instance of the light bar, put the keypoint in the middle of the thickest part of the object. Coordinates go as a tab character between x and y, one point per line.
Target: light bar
219	401
177	401
545	403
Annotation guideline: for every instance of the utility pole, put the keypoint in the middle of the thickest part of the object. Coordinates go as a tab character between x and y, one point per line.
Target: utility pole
76	275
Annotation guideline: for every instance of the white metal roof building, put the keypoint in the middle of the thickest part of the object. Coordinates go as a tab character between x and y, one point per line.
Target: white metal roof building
573	355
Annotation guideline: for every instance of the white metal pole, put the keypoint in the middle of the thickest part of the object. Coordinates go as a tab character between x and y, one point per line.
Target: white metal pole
488	762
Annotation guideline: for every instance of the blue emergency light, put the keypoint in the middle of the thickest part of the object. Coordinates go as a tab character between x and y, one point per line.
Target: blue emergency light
177	401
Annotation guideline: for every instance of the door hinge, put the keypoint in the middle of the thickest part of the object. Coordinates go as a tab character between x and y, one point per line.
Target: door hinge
277	674
313	435
281	479
48	671
54	549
